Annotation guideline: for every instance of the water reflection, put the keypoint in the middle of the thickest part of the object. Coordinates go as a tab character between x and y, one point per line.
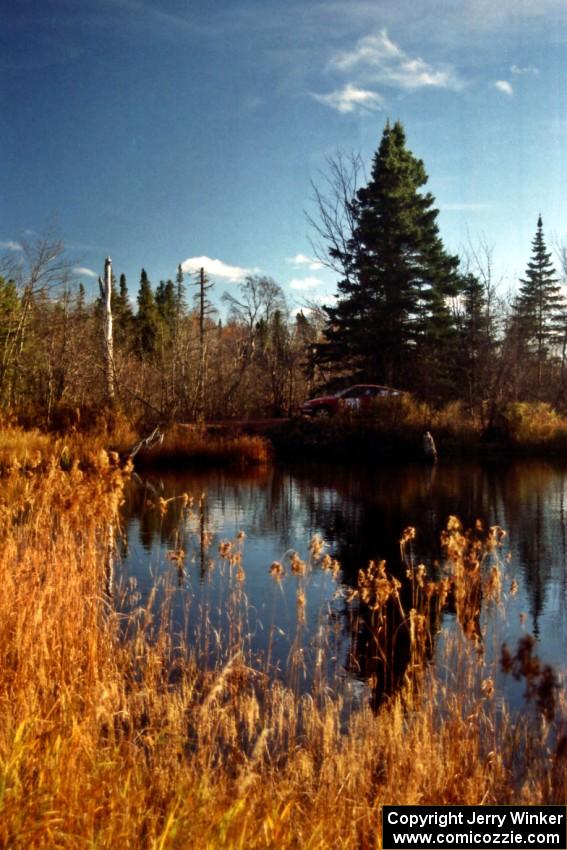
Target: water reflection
361	513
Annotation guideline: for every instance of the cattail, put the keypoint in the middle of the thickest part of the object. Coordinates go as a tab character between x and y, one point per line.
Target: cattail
297	565
225	547
276	570
316	546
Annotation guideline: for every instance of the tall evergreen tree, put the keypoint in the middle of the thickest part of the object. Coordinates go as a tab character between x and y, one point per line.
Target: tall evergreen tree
392	300
540	304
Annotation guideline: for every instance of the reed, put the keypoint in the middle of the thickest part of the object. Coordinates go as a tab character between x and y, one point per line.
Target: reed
193	444
113	735
34	450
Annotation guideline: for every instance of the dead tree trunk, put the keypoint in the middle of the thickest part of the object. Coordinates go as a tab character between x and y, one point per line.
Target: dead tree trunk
107	338
204	309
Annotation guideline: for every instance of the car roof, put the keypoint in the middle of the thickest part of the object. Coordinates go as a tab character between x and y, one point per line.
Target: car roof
373	386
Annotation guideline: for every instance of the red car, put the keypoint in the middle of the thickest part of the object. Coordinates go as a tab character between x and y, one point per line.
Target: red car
358	397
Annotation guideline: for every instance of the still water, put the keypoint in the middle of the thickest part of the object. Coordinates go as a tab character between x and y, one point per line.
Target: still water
359	513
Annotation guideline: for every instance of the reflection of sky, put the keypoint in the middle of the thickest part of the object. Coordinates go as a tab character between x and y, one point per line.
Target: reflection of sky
270	612
537	545
361	513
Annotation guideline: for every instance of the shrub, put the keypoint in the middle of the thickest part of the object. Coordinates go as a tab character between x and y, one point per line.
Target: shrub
535	425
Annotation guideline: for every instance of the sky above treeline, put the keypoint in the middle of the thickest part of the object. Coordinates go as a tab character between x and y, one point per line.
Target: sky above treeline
185	131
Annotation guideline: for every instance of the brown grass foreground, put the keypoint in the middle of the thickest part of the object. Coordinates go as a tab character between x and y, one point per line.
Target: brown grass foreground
102	747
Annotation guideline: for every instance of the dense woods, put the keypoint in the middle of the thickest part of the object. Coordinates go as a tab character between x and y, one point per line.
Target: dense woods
408	314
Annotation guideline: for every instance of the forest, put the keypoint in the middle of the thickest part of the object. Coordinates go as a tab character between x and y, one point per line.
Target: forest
408	314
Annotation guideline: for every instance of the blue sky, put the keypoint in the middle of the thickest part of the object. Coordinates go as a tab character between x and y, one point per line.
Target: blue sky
169	131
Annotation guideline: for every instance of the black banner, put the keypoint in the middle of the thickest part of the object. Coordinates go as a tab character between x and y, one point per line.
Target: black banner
474	826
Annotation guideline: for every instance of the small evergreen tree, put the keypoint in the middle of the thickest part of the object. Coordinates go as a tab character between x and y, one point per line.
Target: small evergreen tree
147	317
122	312
10	311
180	304
540	304
165	300
476	343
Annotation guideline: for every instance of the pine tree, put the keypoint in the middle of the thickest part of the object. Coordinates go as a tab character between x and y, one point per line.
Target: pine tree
147	317
81	298
165	301
180	305
392	307
540	304
122	311
10	312
476	343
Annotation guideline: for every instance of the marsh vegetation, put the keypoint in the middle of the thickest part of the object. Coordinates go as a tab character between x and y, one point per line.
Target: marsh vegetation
116	731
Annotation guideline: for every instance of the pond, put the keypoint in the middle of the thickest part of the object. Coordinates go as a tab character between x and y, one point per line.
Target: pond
296	621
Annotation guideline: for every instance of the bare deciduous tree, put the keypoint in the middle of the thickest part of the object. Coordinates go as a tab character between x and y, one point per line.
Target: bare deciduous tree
333	222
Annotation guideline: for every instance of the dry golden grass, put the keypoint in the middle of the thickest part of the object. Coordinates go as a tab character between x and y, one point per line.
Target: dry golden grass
190	444
110	737
33	450
26	450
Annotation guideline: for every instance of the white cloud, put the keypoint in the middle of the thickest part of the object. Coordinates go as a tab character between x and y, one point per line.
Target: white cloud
303	260
379	59
302	283
504	86
84	272
528	69
217	268
11	246
350	99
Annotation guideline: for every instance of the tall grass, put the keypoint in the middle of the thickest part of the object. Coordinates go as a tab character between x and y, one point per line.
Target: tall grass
193	444
35	450
113	736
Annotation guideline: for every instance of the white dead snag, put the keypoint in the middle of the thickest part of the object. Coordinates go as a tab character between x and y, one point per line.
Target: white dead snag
205	310
107	339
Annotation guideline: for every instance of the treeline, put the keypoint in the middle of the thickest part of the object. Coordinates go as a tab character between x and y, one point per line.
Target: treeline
173	356
408	314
